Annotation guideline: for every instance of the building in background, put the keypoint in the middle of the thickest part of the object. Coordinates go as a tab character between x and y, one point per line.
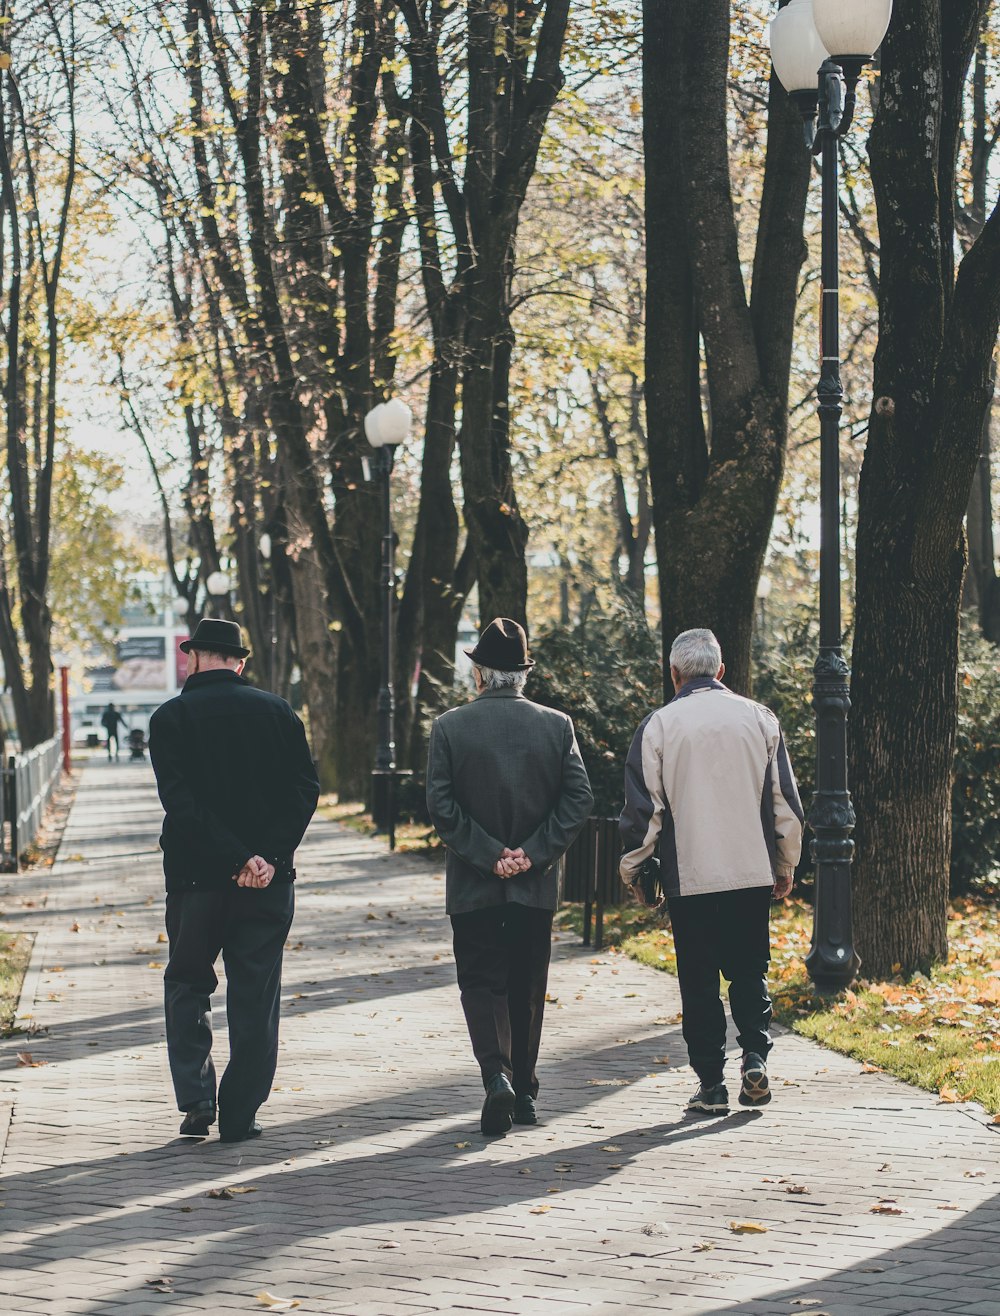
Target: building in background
148	666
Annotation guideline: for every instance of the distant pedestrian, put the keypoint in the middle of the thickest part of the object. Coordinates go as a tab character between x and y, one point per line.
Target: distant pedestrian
238	788
708	780
507	792
111	720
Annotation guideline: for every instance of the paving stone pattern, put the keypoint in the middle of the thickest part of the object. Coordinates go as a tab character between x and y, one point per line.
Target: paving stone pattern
372	1192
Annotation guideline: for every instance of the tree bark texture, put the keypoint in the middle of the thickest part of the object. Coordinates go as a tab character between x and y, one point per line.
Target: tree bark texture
514	76
932	386
714	479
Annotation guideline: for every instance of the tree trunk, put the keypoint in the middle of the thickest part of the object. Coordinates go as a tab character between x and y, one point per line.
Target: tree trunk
714	485
932	386
317	648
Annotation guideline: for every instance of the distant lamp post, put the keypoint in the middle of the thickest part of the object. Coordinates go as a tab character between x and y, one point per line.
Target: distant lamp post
386	427
265	546
217	583
763	594
819	48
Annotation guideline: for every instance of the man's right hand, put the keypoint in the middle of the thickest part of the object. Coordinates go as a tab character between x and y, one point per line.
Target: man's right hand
256	872
511	862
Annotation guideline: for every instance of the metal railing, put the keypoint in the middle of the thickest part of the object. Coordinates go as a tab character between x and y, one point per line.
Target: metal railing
28	782
590	874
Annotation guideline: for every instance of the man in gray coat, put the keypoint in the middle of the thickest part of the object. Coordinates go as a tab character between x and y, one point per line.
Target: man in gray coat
507	792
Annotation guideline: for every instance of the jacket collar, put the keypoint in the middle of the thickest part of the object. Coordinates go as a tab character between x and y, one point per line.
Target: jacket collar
505	692
699	683
217	676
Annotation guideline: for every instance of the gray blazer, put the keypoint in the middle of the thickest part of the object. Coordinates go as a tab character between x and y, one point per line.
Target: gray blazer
503	771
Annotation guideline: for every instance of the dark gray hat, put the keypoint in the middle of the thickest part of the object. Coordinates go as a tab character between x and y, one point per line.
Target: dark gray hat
217	636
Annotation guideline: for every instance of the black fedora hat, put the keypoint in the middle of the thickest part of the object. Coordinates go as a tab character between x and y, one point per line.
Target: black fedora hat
503	646
217	636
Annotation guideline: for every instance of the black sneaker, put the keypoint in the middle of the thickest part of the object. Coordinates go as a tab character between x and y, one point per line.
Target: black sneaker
754	1090
710	1099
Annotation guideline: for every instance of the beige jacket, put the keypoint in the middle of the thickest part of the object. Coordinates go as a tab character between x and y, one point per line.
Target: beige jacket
708	778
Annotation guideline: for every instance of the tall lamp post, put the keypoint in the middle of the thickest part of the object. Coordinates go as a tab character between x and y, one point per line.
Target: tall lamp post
386	427
819	48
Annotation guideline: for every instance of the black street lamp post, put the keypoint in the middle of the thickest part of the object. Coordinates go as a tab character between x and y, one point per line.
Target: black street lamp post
803	34
387	426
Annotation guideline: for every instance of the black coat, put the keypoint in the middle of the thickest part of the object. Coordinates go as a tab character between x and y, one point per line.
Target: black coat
235	778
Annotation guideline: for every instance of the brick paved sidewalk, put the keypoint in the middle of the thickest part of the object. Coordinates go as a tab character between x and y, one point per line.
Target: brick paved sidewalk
372	1192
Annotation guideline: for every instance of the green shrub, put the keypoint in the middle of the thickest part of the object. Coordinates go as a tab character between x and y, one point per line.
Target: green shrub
975	797
784	683
606	674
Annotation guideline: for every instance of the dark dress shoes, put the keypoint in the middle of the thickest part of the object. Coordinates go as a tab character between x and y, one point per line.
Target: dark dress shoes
251	1130
498	1108
524	1109
198	1120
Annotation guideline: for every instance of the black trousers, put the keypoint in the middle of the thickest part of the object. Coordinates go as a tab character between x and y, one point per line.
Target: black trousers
502	956
723	932
249	927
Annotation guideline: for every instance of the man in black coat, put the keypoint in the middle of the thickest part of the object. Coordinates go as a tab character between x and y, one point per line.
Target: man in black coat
508	792
238	787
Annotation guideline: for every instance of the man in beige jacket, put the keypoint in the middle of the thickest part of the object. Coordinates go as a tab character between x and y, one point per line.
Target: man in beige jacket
708	780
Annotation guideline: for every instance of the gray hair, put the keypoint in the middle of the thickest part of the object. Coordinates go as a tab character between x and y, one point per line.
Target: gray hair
494	680
696	653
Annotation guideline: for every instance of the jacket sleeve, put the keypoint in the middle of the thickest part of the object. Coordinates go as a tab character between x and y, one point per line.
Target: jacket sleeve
788	814
459	831
556	834
302	785
194	821
642	817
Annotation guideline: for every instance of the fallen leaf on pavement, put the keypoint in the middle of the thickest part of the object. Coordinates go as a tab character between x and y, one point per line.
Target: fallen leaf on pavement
703	1247
155	964
869	1068
805	1302
888	1206
540	1210
74	927
230	1191
796	1188
161	937
26	1060
276	1304
386	1245
607	1082
949	1095
611	1148
460	1145
747	1227
949	1206
977	1173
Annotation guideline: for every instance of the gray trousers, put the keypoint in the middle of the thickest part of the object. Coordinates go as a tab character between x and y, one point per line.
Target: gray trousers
249	927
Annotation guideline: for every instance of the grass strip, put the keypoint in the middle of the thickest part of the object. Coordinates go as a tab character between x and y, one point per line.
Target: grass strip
15	952
940	1032
411	837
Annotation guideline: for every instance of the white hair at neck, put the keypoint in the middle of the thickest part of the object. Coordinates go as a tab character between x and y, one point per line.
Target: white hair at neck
494	680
